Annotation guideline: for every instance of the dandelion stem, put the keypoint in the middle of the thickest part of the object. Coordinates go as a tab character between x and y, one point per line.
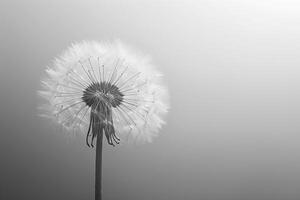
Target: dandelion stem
98	171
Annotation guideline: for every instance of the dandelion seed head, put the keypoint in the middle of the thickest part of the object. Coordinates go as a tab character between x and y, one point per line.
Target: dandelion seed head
105	87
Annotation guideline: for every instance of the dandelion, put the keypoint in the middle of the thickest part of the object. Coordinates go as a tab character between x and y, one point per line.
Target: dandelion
105	89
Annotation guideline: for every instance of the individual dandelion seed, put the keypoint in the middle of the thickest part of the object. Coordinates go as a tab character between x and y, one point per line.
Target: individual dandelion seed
105	89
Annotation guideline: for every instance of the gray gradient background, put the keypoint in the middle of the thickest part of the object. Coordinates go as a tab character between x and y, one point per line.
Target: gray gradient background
233	69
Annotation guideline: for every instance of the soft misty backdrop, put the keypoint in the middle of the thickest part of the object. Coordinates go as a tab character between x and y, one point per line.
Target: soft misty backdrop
233	70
